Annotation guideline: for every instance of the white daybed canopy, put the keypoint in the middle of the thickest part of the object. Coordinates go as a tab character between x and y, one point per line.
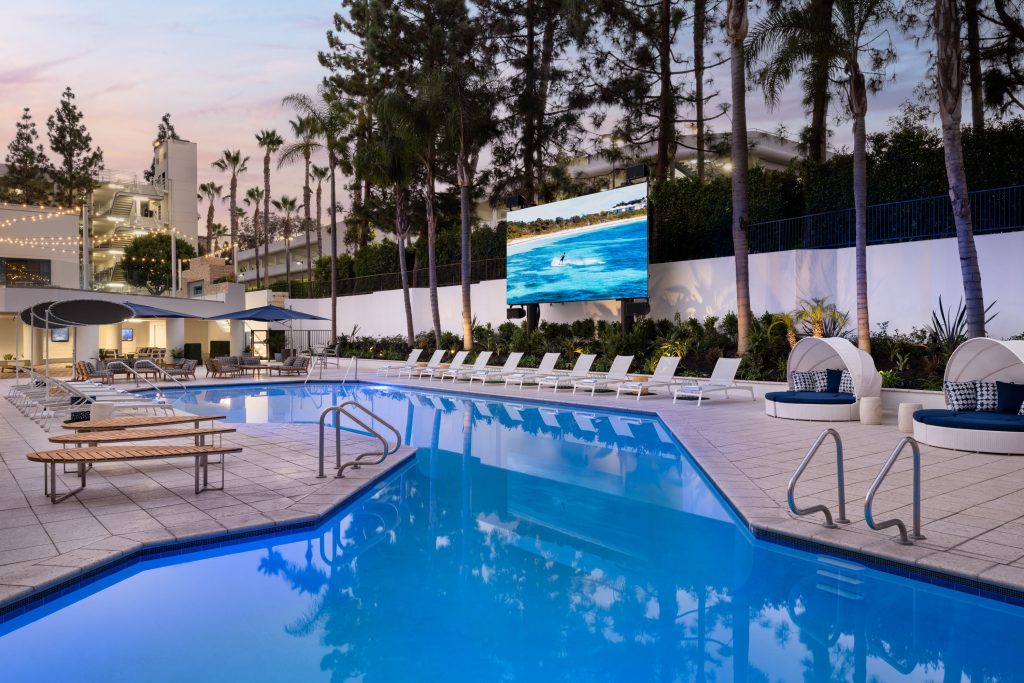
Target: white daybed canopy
985	360
828	353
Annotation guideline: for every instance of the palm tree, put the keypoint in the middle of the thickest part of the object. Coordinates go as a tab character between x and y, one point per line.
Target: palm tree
950	80
232	161
849	35
332	120
389	160
288	205
254	196
736	26
319	174
306	142
269	141
210	192
215	232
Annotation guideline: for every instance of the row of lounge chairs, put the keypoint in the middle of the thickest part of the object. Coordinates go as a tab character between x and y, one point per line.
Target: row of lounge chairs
44	399
723	378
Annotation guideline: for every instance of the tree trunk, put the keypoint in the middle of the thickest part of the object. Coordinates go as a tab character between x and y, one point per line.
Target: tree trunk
209	228
402	232
334	252
319	221
666	98
527	103
435	312
266	220
699	38
256	242
736	22
288	254
547	55
818	74
465	206
974	63
234	220
859	109
307	197
364	225
949	78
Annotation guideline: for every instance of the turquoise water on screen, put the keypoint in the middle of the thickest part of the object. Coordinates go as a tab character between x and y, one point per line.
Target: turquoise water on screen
609	263
524	542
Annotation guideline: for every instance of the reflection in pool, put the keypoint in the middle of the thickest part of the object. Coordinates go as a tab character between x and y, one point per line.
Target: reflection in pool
523	542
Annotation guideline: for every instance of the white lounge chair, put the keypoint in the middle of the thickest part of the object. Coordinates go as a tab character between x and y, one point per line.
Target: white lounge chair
616	375
579	370
434	361
547	365
465	372
664	376
454	366
508	368
723	378
410	363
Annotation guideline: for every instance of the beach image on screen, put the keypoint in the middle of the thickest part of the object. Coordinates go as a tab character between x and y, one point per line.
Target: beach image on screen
588	248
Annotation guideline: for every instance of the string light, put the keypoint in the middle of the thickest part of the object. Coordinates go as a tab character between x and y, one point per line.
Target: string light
7	222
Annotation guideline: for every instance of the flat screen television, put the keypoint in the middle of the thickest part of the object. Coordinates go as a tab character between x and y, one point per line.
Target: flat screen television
588	248
59	334
127	334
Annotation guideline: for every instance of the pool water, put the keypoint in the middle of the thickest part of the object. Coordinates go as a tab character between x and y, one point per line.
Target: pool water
523	542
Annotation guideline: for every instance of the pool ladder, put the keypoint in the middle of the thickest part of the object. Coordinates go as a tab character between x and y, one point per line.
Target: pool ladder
356	412
800	512
904	538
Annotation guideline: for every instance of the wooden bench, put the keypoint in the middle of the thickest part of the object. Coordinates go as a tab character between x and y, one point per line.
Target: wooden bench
84	457
115	435
132	422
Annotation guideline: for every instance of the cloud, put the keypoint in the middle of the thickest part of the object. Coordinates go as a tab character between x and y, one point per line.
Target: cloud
33	73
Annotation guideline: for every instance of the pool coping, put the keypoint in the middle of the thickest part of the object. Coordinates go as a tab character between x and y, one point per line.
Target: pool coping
961	582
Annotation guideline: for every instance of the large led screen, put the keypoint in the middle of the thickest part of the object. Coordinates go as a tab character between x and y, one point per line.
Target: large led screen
583	249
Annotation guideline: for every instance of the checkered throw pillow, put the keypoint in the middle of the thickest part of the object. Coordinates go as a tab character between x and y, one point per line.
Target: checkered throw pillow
846	383
960	396
1021	412
820	380
803	381
988	397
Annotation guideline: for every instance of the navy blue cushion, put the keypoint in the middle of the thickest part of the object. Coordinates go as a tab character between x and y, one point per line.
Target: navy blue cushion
994	422
1009	397
812	397
832	380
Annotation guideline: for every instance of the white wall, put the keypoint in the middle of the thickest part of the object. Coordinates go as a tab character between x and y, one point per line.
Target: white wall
905	281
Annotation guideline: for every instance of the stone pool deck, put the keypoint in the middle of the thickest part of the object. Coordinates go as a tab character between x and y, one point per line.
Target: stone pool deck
972	504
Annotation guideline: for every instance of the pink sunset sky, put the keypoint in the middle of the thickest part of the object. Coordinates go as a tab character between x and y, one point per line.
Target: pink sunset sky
221	70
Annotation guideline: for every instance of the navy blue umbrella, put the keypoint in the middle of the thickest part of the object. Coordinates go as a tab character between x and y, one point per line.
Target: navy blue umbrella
267	314
143	311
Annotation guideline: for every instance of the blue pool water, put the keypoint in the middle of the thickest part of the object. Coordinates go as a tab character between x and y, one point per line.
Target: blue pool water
523	542
610	263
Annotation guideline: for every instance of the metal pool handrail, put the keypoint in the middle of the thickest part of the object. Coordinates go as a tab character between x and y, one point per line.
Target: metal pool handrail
829	524
870	498
344	409
130	369
163	372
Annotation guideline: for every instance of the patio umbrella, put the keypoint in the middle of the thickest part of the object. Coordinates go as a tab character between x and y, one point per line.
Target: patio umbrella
143	311
73	313
268	314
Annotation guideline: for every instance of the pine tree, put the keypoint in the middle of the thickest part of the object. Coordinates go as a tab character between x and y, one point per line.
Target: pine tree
164	131
27	181
79	163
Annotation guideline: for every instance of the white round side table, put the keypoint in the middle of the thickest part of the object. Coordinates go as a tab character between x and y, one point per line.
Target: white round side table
905	417
871	410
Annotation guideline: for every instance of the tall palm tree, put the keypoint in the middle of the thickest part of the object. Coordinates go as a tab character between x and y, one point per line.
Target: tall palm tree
254	197
306	142
333	119
216	231
736	28
269	141
854	31
389	160
210	192
232	162
950	80
319	174
288	205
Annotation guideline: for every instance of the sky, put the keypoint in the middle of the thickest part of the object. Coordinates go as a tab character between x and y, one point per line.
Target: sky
221	68
580	206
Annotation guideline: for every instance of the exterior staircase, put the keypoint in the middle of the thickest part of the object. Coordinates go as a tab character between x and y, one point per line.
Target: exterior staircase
121	207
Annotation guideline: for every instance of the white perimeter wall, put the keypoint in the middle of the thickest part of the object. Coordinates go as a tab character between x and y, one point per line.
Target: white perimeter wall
904	284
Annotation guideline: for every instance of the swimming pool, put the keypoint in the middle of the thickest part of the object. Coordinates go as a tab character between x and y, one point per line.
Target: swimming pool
524	542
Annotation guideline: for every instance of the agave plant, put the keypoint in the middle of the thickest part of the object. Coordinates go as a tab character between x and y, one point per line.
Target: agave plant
948	330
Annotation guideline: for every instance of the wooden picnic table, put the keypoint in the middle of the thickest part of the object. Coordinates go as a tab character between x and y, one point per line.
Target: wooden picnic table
131	422
115	435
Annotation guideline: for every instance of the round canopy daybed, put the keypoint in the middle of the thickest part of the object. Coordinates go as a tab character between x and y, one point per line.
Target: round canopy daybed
833	353
983	360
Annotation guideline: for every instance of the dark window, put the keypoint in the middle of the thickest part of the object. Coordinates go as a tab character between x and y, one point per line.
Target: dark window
24	272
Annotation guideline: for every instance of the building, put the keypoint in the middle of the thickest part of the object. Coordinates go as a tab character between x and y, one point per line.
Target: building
123	208
296	249
39	246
